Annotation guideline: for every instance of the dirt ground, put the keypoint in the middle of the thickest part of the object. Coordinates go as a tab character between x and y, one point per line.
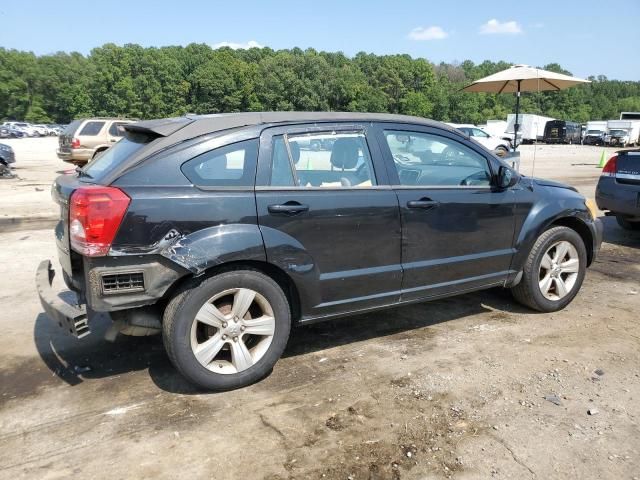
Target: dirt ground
471	387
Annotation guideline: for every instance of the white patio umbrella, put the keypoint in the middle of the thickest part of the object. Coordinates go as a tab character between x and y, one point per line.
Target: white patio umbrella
522	78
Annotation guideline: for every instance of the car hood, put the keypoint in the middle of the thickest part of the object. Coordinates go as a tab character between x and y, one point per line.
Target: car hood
543	182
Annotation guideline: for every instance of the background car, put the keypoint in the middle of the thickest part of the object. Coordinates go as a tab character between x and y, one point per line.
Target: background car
618	190
7	157
497	144
84	139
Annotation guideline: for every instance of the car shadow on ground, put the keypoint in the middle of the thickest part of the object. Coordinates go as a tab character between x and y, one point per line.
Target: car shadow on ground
615	234
75	361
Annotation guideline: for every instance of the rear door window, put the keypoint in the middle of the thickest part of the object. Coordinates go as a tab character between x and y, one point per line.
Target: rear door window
230	166
322	159
91	128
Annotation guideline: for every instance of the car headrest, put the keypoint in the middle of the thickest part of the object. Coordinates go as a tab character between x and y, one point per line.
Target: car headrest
344	153
295	151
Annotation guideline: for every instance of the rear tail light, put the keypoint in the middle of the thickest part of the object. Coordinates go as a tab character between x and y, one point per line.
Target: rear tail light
75	143
95	214
610	167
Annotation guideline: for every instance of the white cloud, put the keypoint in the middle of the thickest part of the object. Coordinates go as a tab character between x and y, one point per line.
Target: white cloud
237	46
493	26
428	33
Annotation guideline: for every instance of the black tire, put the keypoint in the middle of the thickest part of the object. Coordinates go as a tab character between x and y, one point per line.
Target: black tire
501	151
527	292
627	224
180	315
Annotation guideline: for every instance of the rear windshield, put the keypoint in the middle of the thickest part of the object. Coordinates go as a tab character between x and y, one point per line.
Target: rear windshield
72	127
111	158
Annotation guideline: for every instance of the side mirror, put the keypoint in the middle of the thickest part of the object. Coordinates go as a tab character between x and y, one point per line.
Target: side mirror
506	177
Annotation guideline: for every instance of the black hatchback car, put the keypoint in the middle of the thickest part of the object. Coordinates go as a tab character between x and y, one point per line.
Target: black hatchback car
222	231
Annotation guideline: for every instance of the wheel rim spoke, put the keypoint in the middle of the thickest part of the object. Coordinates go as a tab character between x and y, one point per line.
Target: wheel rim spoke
240	355
561	251
242	300
570	266
265	325
546	261
207	351
210	315
545	284
561	287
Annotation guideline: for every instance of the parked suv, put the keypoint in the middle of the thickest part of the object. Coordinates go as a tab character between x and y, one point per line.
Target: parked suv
83	139
222	231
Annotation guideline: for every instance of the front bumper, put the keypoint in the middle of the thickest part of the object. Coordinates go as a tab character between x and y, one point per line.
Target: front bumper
597	230
72	318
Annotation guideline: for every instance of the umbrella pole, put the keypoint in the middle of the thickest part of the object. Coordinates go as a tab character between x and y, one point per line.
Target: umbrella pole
515	126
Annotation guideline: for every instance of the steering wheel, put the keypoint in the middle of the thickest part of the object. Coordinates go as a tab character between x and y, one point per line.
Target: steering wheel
401	159
476	179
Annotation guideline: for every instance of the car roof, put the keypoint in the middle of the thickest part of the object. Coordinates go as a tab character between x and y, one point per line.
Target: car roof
191	126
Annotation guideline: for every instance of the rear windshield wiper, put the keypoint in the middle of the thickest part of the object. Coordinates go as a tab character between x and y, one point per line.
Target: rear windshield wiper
82	173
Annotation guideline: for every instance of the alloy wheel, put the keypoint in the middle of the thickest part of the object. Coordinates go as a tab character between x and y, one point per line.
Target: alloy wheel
559	269
232	331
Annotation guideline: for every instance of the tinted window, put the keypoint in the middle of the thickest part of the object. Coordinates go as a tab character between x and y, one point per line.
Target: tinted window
230	166
117	129
426	159
91	128
322	159
110	158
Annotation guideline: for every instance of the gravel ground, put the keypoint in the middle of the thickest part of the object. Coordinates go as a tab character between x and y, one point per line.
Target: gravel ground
468	387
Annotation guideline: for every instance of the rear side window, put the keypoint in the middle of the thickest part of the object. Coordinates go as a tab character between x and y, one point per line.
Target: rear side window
117	129
229	166
91	128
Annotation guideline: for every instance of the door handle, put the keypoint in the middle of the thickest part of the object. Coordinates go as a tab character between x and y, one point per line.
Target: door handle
288	208
423	203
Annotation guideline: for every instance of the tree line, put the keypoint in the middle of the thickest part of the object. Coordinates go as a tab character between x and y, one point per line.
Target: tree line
136	82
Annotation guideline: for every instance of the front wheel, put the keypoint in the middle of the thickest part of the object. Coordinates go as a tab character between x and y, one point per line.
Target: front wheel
228	331
553	272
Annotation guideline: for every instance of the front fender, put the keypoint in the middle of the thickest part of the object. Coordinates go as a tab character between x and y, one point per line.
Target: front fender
213	246
544	213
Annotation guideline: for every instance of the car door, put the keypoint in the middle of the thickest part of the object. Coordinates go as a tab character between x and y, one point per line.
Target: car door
457	229
328	216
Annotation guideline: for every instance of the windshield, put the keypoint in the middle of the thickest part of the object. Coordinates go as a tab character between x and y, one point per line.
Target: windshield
594	132
617	132
115	155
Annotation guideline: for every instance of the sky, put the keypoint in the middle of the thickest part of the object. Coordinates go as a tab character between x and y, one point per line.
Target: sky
586	37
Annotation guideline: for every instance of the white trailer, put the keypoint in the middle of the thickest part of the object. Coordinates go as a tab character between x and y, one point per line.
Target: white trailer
531	126
622	133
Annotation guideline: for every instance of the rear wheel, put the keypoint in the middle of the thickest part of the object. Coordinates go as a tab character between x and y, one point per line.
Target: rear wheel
228	331
553	272
627	224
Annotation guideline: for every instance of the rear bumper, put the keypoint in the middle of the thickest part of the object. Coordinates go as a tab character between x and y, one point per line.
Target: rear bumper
618	198
75	155
72	318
